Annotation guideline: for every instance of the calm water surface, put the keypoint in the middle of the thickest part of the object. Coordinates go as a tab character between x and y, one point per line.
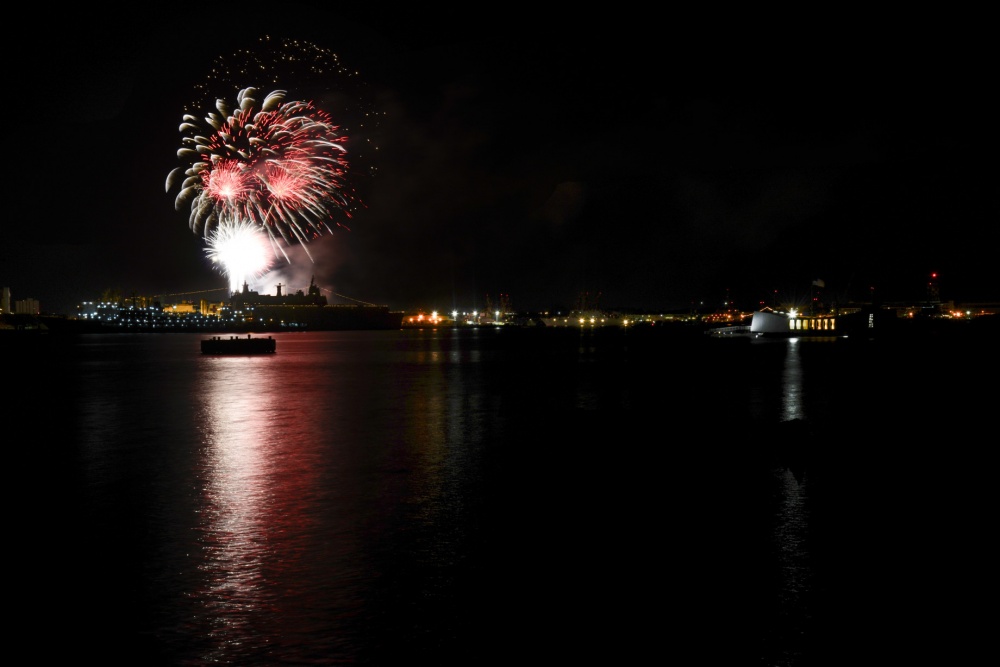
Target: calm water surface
480	496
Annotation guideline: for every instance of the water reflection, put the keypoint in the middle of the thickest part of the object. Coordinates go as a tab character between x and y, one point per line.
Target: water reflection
794	571
237	478
381	498
792	406
791	524
329	491
273	566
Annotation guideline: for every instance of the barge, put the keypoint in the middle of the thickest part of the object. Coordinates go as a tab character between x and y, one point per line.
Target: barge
238	345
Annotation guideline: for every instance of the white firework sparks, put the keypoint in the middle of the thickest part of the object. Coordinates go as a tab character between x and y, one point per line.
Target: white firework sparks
241	250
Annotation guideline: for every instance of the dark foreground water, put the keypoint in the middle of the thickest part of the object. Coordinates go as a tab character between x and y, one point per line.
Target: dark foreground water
486	497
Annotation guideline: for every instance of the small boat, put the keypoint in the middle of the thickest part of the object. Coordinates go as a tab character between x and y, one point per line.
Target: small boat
237	345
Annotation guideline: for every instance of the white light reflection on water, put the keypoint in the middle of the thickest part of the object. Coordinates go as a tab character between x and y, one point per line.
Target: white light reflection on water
327	487
791	522
237	497
273	567
792	406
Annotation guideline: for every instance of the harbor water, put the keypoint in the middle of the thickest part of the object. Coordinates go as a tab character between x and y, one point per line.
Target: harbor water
488	496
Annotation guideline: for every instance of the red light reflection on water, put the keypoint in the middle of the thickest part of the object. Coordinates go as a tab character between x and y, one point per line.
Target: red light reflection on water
255	481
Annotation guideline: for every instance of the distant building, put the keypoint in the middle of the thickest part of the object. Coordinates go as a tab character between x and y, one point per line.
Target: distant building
5	300
182	308
249	297
27	307
208	308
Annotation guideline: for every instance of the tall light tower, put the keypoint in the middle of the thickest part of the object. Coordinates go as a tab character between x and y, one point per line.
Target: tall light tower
933	288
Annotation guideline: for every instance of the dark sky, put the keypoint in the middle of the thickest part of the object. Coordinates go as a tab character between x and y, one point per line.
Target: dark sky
653	161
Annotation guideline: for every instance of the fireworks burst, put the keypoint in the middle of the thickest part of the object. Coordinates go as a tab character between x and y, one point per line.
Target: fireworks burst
241	250
270	169
315	73
278	165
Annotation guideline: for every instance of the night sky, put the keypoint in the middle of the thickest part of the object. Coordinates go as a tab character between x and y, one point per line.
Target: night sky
651	161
